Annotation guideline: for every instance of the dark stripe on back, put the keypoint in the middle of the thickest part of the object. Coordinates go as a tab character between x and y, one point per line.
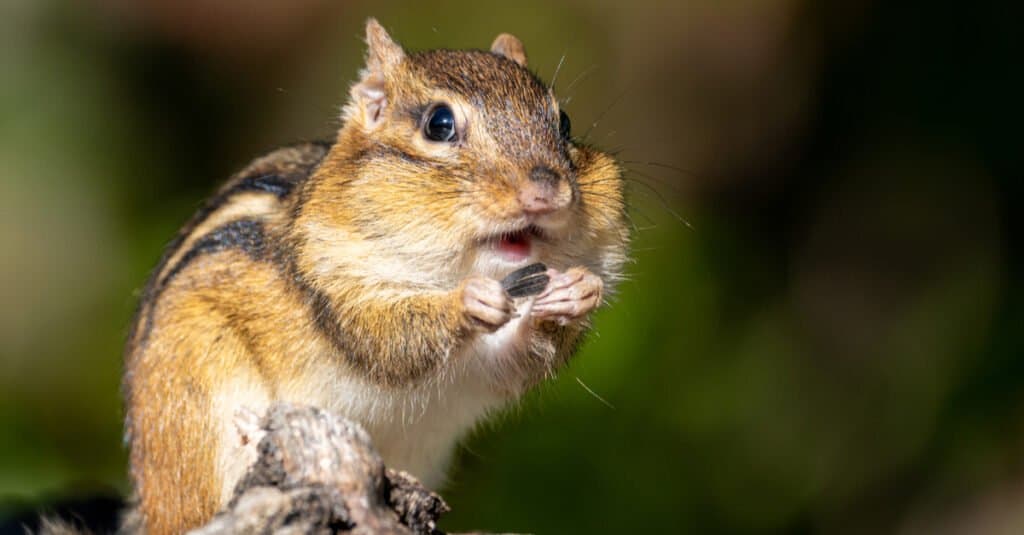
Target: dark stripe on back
276	184
280	182
266	183
279	178
244	234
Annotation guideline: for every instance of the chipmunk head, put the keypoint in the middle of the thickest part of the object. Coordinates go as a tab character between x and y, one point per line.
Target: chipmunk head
469	153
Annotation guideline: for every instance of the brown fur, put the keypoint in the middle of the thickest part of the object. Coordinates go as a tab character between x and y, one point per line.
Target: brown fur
355	259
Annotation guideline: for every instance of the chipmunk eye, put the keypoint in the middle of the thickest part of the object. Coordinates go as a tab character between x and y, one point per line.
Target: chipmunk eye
440	124
564	125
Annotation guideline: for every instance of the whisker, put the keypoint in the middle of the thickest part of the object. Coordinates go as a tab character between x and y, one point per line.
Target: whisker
630	209
592	393
664	203
648	222
586	135
601	181
688	172
574	81
554	77
629	191
660	181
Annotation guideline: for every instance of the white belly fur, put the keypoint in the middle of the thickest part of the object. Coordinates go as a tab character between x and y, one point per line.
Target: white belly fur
417	429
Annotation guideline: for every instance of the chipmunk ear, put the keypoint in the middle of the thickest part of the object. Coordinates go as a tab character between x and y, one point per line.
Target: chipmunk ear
383	52
382	56
511	47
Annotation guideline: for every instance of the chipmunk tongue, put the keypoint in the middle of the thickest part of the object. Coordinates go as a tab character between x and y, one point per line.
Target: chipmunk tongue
515	246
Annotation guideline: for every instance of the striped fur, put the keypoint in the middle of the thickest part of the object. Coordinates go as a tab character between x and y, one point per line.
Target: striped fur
346	276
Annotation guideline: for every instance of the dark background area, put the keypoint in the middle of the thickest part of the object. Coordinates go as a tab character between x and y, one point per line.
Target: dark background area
830	343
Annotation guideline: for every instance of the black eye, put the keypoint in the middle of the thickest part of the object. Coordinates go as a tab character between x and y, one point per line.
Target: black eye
440	124
564	125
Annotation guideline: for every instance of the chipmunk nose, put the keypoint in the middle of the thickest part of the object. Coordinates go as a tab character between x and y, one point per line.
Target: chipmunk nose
542	193
544	175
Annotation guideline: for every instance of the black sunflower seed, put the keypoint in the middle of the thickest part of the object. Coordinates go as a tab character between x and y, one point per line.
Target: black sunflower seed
530	280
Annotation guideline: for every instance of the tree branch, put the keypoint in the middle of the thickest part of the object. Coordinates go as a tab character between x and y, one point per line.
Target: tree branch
319	473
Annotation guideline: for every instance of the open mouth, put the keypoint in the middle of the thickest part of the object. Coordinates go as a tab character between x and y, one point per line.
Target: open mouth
517	245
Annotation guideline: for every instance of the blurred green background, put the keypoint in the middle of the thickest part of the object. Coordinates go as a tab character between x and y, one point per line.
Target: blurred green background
835	346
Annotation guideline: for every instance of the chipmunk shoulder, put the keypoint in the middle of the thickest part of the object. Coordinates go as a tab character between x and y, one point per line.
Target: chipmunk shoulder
363	276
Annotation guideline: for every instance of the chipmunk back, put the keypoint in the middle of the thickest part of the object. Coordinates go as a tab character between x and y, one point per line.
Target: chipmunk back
362	276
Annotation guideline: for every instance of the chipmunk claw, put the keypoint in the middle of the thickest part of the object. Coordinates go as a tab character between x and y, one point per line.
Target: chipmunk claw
486	304
569	296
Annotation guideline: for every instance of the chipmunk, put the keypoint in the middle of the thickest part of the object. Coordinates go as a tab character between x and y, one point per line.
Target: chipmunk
362	276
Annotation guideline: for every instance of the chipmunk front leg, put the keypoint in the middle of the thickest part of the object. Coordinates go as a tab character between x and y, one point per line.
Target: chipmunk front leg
400	340
570	296
485	303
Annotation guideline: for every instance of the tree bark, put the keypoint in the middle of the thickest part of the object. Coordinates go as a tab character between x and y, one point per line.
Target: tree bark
319	473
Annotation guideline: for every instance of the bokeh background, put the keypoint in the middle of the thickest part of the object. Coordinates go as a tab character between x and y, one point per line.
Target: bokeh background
822	331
